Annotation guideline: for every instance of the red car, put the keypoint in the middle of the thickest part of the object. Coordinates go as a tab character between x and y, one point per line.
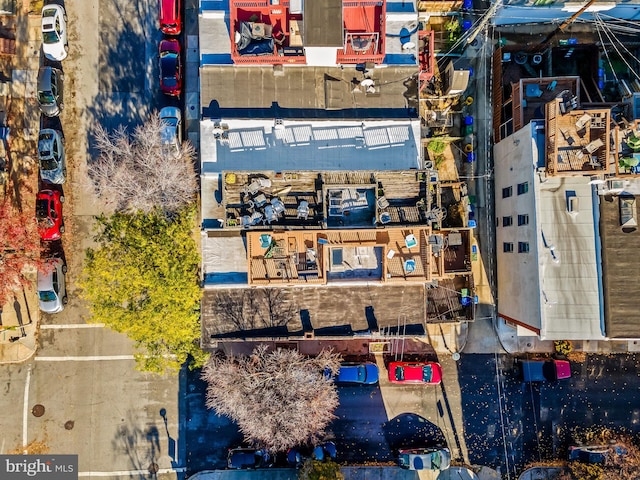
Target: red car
170	21
49	214
170	68
415	372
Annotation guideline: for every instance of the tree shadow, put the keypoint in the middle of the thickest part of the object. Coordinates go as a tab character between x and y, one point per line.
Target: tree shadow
140	444
409	430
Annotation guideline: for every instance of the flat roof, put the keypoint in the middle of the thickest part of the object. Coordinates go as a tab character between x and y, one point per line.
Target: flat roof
620	258
554	287
570	293
307	92
327	310
323	23
260	144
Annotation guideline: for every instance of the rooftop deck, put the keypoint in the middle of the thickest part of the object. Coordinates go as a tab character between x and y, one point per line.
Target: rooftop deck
263	200
577	141
266	33
300	257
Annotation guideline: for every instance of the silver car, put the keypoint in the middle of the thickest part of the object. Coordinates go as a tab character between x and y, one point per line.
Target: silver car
171	134
54	32
52	288
50	91
53	167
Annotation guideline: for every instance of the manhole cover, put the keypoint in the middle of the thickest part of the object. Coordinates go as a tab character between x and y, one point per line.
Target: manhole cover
69	425
153	468
37	410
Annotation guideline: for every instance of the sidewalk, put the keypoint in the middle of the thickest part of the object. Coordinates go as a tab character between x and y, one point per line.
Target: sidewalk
20	315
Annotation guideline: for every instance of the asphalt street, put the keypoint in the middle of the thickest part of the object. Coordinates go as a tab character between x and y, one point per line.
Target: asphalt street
504	422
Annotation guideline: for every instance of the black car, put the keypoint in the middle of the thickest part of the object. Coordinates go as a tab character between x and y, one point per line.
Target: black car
243	458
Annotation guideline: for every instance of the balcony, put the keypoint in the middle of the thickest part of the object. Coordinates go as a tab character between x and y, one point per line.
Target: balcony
364	32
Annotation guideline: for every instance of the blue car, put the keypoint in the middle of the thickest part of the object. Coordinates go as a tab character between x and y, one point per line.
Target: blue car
357	373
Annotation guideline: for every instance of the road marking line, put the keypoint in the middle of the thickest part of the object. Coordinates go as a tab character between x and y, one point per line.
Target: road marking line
88	358
128	473
25	410
73	325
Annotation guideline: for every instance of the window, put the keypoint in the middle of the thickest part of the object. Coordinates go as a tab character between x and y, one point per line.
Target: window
523	188
507	221
507	192
523	247
507	247
523	220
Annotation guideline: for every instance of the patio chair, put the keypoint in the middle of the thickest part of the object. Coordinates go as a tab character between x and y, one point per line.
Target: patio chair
303	210
410	240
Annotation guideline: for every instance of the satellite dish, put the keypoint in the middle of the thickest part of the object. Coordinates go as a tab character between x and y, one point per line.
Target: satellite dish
367	82
409	46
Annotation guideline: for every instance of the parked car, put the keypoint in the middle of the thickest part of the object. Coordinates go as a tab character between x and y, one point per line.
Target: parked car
543	369
243	458
170	67
52	290
424	459
170	19
53	168
298	455
171	134
50	91
595	453
54	32
415	372
49	214
357	373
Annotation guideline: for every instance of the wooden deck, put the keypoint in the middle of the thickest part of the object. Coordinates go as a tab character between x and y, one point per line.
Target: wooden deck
302	257
409	194
577	141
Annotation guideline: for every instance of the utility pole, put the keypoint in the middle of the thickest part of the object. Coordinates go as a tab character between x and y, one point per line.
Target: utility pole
567	22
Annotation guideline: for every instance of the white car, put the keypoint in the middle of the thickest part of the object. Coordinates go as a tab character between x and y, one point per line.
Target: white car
171	134
52	288
424	459
54	32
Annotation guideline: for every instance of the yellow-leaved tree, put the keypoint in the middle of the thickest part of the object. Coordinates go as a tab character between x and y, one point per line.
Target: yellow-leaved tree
142	280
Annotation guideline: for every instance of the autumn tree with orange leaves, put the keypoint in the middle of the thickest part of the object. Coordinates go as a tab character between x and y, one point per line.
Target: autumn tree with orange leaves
20	250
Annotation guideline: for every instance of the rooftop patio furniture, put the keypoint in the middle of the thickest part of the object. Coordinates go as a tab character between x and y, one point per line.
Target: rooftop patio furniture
303	210
383	203
256	218
278	206
385	218
258	184
265	240
410	240
269	214
533	90
409	265
593	146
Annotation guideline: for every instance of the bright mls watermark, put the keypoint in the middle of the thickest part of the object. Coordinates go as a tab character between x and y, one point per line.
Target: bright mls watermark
39	467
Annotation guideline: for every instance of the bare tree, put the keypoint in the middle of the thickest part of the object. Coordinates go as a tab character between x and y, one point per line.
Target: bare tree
139	173
279	398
